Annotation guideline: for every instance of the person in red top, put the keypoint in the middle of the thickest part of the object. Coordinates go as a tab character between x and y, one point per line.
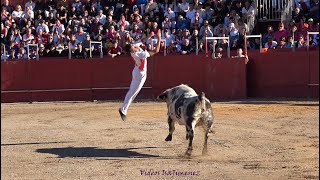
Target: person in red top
115	50
41	38
282	32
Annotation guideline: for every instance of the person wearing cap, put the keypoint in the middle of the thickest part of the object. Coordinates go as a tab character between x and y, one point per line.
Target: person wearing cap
139	74
282	32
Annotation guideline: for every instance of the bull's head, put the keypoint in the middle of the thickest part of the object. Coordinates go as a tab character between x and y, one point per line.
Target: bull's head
163	96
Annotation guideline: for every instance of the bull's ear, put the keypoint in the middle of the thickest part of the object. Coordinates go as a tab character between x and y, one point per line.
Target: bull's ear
163	96
201	96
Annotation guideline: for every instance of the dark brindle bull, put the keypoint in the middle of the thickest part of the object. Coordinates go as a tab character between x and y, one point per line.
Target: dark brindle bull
188	108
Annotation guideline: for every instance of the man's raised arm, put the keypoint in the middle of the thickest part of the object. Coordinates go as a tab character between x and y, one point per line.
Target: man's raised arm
153	52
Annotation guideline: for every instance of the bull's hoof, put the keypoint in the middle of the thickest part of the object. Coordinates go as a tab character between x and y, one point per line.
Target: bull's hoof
188	153
168	138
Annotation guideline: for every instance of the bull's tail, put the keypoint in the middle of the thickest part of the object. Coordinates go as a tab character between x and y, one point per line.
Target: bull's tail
202	99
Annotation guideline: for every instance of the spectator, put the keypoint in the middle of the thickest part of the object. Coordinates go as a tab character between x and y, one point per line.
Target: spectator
126	40
79	52
58	26
30	4
208	12
164	6
182	23
49	47
168	38
136	33
170	13
191	12
193	39
185	47
151	6
282	43
8	6
109	22
41	38
50	20
73	45
42	25
22	54
102	18
233	32
297	15
115	50
183	8
77	4
63	3
61	46
42	52
101	33
197	21
167	24
4	14
4	34
282	32
301	42
290	43
111	34
123	22
271	44
17	14
15	40
85	25
268	34
80	35
62	15
28	37
239	53
248	11
205	26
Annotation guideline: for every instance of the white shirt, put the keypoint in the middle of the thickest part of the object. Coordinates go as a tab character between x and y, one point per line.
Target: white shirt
140	59
17	14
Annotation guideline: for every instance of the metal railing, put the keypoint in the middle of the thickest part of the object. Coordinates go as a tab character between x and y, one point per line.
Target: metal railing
100	46
37	50
274	9
214	47
308	38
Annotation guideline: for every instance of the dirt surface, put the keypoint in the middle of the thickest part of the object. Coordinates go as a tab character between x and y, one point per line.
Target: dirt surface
87	140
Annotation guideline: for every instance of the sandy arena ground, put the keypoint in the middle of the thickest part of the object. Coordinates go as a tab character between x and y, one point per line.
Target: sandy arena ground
87	140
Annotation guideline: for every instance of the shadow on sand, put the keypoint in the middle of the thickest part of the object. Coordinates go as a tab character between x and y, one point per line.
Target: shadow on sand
89	152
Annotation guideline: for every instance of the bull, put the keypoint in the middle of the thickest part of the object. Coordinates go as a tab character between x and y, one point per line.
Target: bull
188	108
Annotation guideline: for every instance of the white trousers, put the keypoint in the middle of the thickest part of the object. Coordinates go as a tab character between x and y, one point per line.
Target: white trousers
137	82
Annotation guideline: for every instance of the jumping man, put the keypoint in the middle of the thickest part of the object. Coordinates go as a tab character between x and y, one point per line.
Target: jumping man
139	73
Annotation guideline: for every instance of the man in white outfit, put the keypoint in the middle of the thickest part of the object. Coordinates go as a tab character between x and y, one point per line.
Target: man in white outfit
139	73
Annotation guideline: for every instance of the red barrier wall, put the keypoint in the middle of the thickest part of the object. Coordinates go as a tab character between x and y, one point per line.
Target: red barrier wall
283	73
63	79
274	74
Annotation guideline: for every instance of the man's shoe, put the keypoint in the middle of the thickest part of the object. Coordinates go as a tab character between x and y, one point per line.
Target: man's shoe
123	117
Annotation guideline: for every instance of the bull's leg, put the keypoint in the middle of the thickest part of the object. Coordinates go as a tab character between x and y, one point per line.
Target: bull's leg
171	129
208	129
190	130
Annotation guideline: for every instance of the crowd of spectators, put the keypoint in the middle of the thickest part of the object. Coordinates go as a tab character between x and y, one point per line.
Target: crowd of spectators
57	25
